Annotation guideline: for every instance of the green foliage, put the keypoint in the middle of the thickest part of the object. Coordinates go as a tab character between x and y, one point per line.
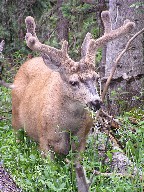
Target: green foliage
11	65
30	171
33	173
138	5
13	30
12	27
135	131
5	102
124	100
80	23
24	162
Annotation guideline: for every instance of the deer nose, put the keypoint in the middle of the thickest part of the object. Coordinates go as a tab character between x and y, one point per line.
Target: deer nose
95	105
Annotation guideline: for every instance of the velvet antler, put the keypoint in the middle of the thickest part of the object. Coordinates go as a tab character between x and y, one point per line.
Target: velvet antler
90	45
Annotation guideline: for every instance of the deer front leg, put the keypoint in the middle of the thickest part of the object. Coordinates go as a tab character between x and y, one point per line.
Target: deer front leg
54	140
82	181
61	143
82	135
45	148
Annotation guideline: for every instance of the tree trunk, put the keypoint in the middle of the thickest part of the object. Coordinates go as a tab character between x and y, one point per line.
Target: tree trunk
104	7
126	88
62	23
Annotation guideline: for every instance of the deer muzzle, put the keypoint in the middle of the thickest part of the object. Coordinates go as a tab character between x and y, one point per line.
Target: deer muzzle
95	105
95	101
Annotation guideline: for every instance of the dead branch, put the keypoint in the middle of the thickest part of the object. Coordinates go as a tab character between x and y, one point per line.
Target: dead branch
81	178
114	140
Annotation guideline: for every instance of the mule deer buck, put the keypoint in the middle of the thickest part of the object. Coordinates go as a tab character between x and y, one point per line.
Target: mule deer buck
51	92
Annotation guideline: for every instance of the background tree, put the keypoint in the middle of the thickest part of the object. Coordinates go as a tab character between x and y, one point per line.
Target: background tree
62	23
126	89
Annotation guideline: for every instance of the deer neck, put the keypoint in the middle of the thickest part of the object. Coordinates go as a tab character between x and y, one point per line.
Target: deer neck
72	106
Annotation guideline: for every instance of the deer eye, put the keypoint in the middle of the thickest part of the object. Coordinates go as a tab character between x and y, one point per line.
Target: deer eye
74	83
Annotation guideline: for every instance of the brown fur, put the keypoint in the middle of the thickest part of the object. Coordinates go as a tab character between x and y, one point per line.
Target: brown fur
47	113
50	93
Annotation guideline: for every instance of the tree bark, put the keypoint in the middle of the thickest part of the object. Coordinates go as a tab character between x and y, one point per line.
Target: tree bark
62	24
126	88
101	32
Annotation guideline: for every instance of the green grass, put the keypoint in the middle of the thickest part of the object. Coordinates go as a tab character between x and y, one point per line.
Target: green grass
35	174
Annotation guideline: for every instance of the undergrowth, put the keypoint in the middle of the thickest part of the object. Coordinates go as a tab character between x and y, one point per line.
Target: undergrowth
33	173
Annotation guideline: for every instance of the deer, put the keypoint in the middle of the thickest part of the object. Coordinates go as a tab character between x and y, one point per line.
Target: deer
52	94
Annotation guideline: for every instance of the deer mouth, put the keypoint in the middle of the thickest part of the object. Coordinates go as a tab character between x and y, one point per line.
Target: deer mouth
95	105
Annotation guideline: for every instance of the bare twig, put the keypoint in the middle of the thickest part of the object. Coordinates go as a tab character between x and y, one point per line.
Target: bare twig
116	63
114	140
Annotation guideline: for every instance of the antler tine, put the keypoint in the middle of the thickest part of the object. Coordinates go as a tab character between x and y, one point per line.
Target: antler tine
34	44
105	15
30	25
85	45
109	35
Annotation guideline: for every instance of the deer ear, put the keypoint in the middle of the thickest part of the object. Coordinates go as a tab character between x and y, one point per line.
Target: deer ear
51	62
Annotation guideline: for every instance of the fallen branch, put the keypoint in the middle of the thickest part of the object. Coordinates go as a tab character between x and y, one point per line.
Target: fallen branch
81	178
114	140
6	182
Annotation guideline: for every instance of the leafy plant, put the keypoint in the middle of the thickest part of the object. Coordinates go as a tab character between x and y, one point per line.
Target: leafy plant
33	173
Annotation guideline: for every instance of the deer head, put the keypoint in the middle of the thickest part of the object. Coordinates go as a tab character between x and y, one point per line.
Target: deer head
79	77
